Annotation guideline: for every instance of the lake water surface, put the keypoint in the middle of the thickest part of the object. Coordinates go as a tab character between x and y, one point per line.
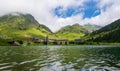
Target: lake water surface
60	58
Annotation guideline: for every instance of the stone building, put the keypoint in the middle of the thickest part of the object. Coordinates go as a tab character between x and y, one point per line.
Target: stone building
61	42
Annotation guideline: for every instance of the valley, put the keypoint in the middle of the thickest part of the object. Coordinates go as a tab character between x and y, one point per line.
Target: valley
16	28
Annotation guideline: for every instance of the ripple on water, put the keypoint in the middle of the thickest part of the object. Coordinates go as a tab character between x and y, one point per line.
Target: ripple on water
111	68
118	64
55	66
30	61
5	66
81	59
60	58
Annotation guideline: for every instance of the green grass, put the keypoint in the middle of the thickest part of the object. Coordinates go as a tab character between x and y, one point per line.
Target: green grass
14	33
70	32
67	35
3	42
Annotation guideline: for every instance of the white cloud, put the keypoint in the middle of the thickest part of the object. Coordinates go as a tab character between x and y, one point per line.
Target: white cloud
107	16
42	10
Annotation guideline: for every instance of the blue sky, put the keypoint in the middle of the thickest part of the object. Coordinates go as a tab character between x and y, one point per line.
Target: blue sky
90	10
69	12
56	14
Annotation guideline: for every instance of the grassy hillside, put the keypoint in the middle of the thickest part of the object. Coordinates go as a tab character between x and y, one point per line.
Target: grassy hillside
111	36
114	25
109	33
21	26
70	32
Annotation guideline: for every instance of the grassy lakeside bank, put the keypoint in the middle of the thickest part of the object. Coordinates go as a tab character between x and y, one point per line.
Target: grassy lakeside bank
41	44
102	43
26	43
88	43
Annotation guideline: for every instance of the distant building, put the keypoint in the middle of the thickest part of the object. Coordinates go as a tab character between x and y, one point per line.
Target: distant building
61	42
51	40
46	41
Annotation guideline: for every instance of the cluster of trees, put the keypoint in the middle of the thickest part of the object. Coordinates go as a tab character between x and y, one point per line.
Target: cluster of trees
112	36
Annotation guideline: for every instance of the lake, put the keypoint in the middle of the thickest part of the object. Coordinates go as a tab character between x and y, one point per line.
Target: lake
60	58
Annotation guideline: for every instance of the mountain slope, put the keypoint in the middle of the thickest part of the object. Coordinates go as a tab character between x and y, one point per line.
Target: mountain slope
71	32
112	36
107	28
91	27
21	26
109	33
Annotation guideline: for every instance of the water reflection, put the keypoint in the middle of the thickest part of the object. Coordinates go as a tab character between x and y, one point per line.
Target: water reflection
60	58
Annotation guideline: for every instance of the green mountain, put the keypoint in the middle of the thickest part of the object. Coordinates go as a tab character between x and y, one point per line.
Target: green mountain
109	33
114	25
71	32
92	27
21	26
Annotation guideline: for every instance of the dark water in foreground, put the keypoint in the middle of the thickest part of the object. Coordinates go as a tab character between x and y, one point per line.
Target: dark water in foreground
60	58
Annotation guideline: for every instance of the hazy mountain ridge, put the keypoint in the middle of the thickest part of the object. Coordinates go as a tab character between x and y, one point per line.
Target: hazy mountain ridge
109	33
92	27
114	25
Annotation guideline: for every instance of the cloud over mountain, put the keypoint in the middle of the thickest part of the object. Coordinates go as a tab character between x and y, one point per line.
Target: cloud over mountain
58	13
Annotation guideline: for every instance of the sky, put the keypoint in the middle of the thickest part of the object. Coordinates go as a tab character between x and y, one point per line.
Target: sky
59	13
